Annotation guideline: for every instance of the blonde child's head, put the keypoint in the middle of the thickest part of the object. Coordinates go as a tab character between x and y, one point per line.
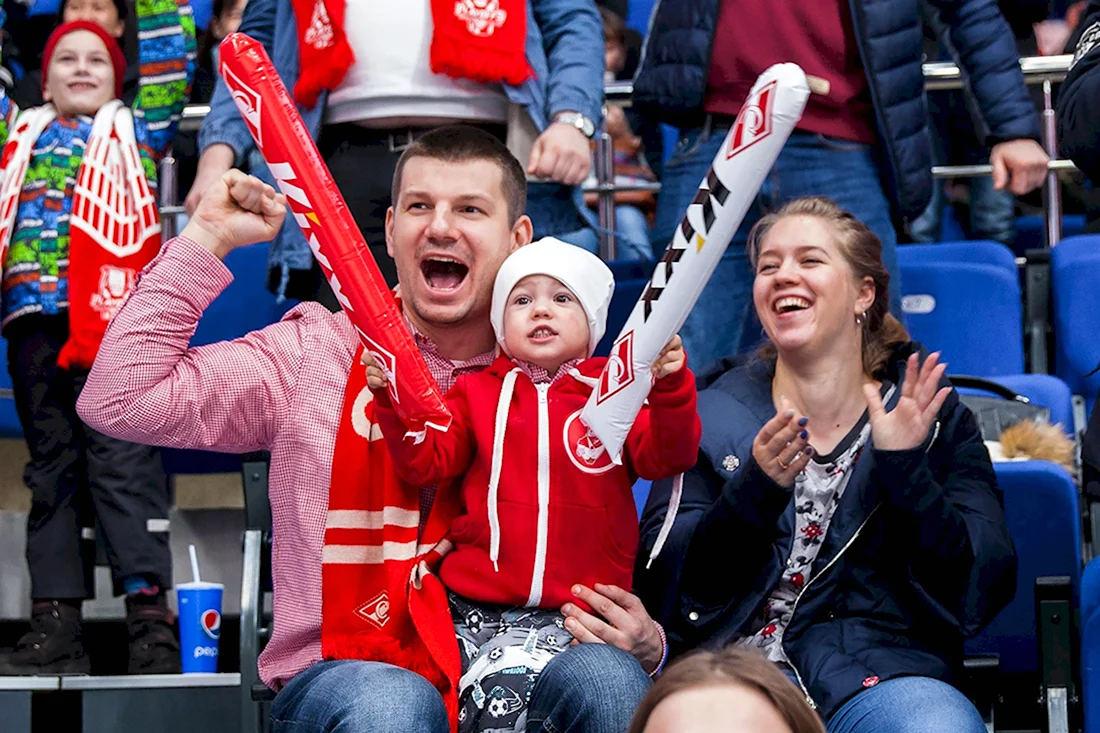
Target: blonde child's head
82	68
550	303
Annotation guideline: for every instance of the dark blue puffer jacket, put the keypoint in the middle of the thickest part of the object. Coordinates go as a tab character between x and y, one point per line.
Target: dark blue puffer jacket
917	555
672	78
1079	99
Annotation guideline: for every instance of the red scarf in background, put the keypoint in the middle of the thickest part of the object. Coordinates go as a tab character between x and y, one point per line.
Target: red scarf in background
114	229
481	40
380	600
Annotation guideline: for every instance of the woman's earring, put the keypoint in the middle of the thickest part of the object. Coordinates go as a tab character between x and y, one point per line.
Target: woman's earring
861	318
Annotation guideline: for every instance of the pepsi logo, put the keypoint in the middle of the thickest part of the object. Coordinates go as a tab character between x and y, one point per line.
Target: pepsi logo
206	651
211	622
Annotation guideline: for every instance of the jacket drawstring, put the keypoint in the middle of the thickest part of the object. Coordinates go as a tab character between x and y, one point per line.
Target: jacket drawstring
499	428
590	382
673	500
670	518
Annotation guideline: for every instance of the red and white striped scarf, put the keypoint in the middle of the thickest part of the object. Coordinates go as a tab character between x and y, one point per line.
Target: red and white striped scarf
380	598
114	226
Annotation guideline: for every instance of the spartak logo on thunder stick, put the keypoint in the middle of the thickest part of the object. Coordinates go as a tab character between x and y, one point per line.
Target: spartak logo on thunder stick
320	210
774	106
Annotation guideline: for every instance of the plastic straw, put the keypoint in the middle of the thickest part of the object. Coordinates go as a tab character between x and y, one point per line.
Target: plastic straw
194	563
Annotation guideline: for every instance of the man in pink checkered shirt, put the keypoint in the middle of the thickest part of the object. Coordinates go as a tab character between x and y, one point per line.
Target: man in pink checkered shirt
458	197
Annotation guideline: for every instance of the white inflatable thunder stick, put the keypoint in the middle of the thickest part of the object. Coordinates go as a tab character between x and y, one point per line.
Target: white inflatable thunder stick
773	107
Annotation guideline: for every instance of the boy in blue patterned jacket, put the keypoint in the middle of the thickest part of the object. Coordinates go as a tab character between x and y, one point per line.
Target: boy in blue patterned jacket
78	221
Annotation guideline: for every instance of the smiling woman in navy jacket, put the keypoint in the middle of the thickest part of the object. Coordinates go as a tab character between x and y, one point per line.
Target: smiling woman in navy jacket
844	516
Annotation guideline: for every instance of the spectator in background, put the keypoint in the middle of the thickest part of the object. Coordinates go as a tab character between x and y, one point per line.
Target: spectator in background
633	209
650	132
730	691
865	143
225	19
536	82
110	15
114	16
1079	99
847	488
1058	35
68	266
957	133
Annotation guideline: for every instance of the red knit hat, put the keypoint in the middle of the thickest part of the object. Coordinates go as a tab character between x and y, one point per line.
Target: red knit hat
117	58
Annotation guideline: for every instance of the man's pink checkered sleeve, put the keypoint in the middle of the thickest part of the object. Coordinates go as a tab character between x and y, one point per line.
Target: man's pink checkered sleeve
147	386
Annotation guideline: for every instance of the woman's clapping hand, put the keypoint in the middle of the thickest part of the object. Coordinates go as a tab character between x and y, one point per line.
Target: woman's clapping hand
907	425
782	447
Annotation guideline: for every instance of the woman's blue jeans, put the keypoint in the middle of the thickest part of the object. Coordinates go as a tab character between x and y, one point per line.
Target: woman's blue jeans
908	705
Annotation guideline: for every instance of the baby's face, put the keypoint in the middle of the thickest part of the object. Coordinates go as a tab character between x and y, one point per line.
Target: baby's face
544	323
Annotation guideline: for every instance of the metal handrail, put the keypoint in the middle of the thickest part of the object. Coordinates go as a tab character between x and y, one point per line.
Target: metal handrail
1044	70
937	76
985	169
1036	69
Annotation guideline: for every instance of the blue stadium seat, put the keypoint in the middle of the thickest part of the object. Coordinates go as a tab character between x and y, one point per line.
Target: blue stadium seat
1090	645
1043	389
641	494
951	230
1031	230
637	15
9	419
623	270
1075	282
203	10
670	136
1040	389
44	7
970	312
975	252
246	305
1045	523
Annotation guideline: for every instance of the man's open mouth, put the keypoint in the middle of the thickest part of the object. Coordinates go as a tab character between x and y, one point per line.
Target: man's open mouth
443	274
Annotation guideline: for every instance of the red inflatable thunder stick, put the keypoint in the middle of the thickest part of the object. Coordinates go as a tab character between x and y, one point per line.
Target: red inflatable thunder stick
316	204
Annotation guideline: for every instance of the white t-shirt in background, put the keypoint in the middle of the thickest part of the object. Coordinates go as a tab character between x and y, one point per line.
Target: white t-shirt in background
391	76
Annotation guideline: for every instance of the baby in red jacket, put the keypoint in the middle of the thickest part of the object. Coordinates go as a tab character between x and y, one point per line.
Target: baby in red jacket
545	508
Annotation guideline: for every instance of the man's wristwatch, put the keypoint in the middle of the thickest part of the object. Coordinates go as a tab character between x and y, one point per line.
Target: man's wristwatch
577	120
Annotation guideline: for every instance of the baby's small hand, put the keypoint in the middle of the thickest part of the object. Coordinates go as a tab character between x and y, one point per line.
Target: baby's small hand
376	378
671	358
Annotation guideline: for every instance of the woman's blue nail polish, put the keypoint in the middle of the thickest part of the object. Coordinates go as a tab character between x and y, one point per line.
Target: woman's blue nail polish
809	450
804	434
802	422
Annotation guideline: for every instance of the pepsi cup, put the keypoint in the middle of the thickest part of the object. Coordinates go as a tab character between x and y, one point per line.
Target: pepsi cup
200	618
